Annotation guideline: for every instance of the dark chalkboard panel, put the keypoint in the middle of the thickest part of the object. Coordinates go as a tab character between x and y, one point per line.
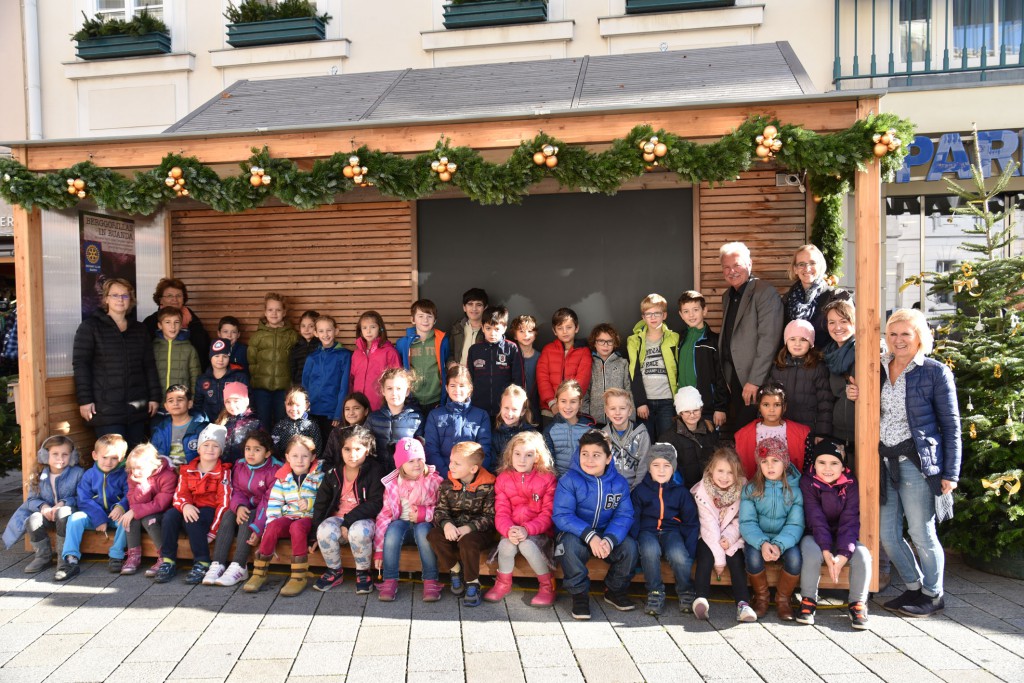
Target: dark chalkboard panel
598	255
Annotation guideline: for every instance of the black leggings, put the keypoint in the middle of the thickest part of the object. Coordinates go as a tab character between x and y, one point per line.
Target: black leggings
151	525
706	564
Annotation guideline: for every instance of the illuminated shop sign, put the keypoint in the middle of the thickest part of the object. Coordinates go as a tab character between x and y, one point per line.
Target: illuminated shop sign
953	153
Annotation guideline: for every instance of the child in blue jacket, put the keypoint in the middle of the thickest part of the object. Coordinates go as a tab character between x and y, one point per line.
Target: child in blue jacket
326	377
177	434
562	435
102	499
455	421
593	515
665	524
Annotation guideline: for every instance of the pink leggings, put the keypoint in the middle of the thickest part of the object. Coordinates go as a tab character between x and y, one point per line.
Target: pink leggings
297	529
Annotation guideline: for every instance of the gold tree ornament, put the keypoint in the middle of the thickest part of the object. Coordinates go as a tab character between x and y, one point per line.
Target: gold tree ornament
768	145
258	176
355	171
547	156
176	181
443	168
652	149
973	431
76	186
886	142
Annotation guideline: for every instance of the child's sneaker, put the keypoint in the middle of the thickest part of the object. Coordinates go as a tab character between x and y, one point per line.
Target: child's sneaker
745	613
686	602
388	589
701	608
621	601
115	564
234	574
196	574
364	584
859	616
458	584
805	615
655	603
68	569
473	595
165	572
132	560
213	573
329	579
151	572
432	589
581	606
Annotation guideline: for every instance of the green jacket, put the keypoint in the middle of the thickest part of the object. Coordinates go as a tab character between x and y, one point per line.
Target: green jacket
269	350
176	362
636	349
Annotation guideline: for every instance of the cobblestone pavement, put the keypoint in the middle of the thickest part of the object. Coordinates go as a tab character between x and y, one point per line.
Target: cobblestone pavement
101	626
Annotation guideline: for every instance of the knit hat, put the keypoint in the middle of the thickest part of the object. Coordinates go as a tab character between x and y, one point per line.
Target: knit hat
772	447
799	328
213	432
831	447
220	347
236	389
665	451
688	398
408	449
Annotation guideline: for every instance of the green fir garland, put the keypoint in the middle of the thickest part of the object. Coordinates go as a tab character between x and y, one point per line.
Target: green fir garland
830	162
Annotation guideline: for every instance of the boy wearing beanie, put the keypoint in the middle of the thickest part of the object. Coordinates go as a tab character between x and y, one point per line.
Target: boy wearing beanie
693	435
209	393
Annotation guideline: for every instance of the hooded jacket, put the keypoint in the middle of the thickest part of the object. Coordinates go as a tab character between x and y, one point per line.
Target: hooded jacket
269	354
389	428
629	451
716	525
463	505
194	332
67	491
392	507
605	374
666	508
250	488
693	448
707	366
493	368
454	423
157	498
636	349
297	356
238	427
746	443
369	492
176	362
526	500
563	439
326	378
162	433
288	498
205	490
555	366
589	506
457	339
776	517
809	398
209	394
441	344
832	512
368	363
502	435
286	428
99	492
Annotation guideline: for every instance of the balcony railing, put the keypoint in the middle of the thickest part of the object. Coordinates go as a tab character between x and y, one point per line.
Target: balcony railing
916	41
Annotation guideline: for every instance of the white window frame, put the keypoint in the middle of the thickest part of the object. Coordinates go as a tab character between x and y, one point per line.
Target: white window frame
130	9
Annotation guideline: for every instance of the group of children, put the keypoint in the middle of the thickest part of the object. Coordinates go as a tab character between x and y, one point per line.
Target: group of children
396	444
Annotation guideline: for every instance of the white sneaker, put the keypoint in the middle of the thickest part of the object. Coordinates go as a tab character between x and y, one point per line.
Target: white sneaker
701	608
745	613
235	573
213	573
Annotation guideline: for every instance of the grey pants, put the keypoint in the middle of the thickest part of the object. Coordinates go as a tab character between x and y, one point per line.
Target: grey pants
810	572
37	525
530	549
227	531
152	526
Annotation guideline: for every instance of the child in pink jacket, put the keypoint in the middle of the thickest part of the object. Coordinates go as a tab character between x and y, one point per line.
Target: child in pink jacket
373	355
720	545
151	483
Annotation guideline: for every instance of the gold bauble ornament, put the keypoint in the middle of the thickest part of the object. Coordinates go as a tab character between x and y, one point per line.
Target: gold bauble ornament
442	168
649	148
548	150
71	181
184	193
363	170
551	161
452	168
265	179
81	194
817	199
770	131
434	164
348	172
169	181
175	172
538	158
72	190
79	184
444	176
885	139
776	145
759	139
649	157
353	160
358	179
255	180
254	170
660	149
762	151
443	160
648	168
877	137
881	149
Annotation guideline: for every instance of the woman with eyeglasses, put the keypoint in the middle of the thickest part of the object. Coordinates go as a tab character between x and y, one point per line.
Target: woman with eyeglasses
810	292
116	381
171	291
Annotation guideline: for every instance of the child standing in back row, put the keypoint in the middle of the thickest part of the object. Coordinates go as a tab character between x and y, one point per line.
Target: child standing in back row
373	355
562	360
326	377
652	350
801	369
209	394
609	370
469	330
306	342
423	350
494	363
524	331
456	421
230	330
699	365
176	359
270	347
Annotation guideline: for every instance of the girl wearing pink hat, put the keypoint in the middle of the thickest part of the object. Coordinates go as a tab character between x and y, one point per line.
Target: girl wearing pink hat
801	370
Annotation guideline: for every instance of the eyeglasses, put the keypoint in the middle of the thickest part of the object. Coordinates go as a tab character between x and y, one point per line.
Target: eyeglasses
604	342
122	297
805	265
654	314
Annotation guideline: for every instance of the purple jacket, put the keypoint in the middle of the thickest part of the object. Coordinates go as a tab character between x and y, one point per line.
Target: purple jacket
250	486
832	512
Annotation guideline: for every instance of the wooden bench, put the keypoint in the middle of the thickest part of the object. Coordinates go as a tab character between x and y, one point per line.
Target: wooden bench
95	543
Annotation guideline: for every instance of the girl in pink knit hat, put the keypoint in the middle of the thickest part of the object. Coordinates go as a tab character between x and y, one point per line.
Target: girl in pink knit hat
800	369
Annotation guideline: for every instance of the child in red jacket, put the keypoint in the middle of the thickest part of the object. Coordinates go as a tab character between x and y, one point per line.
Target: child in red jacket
562	359
373	355
524	495
151	483
771	406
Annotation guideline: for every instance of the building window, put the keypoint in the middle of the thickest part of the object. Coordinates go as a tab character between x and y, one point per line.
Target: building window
126	9
945	266
993	24
914	15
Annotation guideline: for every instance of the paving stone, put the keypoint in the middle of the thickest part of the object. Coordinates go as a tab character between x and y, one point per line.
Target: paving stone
376	668
953	634
669	672
694	633
536	622
136	672
968	676
1014	642
186	619
168	646
317	679
332	628
48	651
314	659
760	643
86	620
493	667
856	642
125	631
607	664
382	640
930	653
591	635
719	661
262	670
206	661
824	656
977	620
547	674
783	670
1007	665
456	676
90	664
851	678
650	645
25	674
434	626
896	667
435	655
17	637
230	629
274	644
493	636
545	652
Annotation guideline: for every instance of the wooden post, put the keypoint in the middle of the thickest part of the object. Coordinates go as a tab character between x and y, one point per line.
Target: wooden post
867	203
28	266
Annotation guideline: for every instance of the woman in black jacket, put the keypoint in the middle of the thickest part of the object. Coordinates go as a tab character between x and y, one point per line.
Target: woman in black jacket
116	381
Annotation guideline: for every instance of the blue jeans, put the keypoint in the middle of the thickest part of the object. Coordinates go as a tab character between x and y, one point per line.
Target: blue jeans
912	499
79	522
268	406
791	560
653	545
659	419
575	554
401	532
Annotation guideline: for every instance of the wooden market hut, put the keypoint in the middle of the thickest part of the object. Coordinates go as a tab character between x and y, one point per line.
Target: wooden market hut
491	108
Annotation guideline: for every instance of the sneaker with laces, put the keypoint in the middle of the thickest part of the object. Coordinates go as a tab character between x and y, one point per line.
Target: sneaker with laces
905	598
655	603
745	613
364	584
196	574
458	584
581	606
701	608
68	569
151	572
473	595
329	579
213	573
165	572
686	602
115	564
924	606
805	615
619	601
859	616
234	574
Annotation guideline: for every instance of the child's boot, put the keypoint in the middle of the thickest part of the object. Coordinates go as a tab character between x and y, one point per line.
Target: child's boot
784	595
502	587
260	566
298	580
759	592
43	557
132	561
545	596
388	589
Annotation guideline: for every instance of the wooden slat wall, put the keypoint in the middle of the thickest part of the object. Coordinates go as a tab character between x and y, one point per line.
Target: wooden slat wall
341	260
64	417
770	220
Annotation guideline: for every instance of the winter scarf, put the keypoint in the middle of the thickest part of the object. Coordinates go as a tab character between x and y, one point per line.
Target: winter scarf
800	303
839	359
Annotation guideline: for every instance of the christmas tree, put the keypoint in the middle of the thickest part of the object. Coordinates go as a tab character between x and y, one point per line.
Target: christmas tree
982	341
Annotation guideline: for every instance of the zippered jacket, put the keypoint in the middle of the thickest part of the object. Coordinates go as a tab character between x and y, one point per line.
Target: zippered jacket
776	517
99	492
832	512
209	393
453	423
389	429
176	362
205	490
250	488
636	349
269	356
159	495
392	508
604	375
589	506
630	451
707	366
717	524
462	505
162	432
667	507
524	499
326	378
290	499
441	344
67	490
563	439
368	364
555	366
369	492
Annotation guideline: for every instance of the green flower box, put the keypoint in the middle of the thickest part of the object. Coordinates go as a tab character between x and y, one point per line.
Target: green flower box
111	47
276	31
644	6
495	13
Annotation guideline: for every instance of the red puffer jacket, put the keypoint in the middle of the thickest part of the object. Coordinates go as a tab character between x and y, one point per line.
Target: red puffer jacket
159	494
369	364
555	366
524	500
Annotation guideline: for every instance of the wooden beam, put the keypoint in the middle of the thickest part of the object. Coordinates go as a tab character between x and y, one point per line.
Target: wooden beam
867	203
411	139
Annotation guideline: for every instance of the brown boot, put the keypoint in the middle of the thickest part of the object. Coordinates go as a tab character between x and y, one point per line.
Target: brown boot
759	592
260	566
784	595
299	579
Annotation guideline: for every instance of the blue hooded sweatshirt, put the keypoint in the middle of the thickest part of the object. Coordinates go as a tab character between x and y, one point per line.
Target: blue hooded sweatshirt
589	506
326	378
